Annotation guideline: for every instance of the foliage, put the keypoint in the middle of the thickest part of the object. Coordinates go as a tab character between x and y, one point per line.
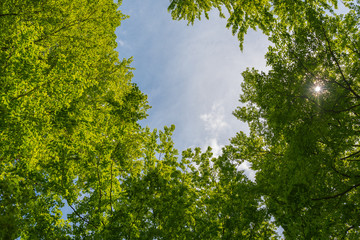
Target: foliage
70	137
266	15
70	143
303	144
67	105
307	142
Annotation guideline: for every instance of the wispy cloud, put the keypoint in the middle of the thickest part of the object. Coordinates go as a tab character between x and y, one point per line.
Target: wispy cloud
121	43
192	74
215	120
214	123
215	146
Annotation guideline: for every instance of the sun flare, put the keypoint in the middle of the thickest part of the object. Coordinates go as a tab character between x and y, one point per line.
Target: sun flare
317	89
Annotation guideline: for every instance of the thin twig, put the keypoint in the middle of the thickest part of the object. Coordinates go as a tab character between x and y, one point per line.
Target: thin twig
77	214
100	194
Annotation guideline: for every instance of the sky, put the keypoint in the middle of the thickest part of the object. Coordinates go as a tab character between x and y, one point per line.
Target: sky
191	74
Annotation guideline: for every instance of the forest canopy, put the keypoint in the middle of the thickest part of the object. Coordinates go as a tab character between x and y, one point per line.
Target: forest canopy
303	114
70	133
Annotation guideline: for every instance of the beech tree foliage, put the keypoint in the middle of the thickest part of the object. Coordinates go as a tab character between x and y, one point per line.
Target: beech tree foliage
303	113
266	15
69	137
67	105
307	141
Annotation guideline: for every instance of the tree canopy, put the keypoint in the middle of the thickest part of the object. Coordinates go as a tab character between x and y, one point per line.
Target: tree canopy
70	138
303	113
266	15
69	131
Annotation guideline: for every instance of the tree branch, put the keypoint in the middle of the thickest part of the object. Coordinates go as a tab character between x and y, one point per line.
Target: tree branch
26	93
340	173
343	110
351	155
338	65
354	49
17	14
77	214
347	230
8	14
343	174
111	176
71	24
337	195
100	194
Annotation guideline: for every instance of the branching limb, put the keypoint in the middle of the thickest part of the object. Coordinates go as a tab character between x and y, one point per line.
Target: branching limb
77	214
338	65
351	155
337	195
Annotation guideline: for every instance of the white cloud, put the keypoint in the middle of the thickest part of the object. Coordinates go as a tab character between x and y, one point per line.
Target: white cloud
246	167
215	146
192	74
121	43
215	119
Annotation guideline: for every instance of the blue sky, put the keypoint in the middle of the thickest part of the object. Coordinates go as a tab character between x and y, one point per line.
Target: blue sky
191	74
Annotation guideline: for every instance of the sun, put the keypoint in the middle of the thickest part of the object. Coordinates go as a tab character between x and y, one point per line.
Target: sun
317	89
